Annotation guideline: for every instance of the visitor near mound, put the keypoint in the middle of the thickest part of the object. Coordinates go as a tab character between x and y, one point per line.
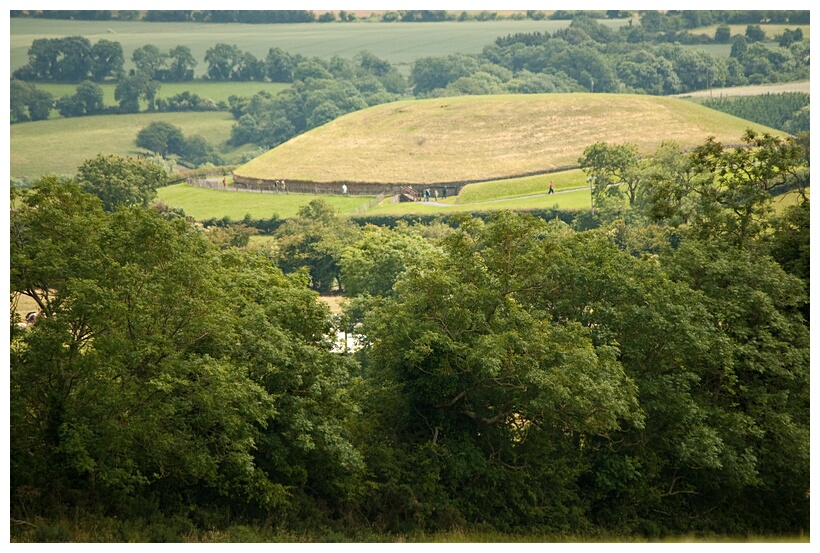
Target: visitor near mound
552	190
344	189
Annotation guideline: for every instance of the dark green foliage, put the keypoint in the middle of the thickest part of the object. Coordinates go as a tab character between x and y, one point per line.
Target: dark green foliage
106	60
168	380
161	137
186	101
66	59
88	100
315	240
787	111
121	181
321	92
130	90
28	103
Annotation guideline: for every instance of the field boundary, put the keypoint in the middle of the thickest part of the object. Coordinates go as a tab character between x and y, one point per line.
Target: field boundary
445	189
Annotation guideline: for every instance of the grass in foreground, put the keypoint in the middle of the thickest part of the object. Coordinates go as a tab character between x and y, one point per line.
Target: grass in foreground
98	529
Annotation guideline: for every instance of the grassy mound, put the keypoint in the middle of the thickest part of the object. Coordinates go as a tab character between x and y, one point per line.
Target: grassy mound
478	138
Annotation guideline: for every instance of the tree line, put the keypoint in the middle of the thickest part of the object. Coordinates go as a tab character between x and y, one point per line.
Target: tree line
642	370
788	111
677	19
587	56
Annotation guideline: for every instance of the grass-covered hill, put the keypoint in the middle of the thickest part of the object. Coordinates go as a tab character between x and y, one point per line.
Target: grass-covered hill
478	138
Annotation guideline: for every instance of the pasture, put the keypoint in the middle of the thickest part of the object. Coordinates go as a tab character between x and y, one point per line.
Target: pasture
209	90
59	146
205	203
514	194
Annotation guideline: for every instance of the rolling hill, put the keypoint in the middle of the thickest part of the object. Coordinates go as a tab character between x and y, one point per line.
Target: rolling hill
467	139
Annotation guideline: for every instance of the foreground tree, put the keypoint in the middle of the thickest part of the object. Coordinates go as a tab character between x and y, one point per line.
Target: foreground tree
485	392
168	378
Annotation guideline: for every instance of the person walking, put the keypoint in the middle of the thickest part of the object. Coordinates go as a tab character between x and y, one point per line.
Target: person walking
344	190
552	189
435	192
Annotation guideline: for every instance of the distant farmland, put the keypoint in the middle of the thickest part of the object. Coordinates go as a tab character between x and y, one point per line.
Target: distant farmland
61	145
399	43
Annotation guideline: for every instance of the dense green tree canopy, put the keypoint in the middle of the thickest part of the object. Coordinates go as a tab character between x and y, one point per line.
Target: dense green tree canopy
121	181
161	137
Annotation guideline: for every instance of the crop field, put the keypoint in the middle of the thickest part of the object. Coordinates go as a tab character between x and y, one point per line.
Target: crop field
205	203
61	145
480	138
398	43
751	90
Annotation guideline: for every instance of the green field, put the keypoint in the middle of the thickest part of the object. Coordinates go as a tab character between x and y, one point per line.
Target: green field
61	145
514	194
522	186
205	203
216	91
480	138
399	43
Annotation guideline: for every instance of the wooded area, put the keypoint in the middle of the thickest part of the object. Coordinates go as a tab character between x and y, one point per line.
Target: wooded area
641	371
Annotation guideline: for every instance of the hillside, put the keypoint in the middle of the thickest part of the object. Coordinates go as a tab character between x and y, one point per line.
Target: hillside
61	145
478	138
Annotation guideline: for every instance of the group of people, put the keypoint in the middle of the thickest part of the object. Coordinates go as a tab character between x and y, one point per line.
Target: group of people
435	194
279	186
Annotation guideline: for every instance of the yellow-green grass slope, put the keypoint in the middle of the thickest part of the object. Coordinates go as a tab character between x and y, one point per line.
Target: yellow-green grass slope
478	138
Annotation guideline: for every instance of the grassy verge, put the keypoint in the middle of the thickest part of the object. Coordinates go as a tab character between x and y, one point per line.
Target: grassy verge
99	529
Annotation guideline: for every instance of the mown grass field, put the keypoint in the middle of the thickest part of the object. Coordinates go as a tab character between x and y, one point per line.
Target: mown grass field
480	138
513	194
205	203
522	186
61	145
